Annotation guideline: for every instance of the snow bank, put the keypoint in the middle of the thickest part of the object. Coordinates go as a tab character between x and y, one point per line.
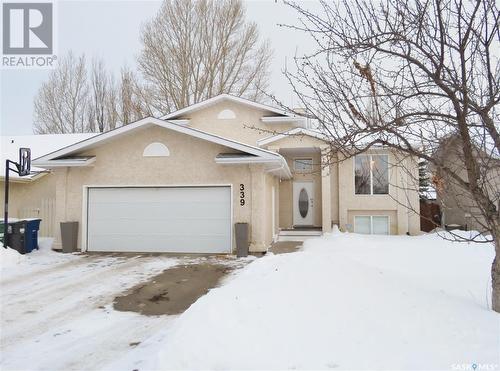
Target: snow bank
37	260
346	301
9	257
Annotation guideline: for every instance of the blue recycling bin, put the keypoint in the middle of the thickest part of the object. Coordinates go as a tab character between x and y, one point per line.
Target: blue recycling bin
31	234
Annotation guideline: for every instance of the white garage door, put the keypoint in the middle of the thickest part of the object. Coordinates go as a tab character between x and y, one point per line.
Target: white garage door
159	219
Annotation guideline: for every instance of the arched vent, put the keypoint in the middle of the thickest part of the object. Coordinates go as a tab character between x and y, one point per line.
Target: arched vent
226	114
156	149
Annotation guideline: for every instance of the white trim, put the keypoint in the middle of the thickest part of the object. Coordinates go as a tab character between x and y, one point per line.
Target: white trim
24	179
85	212
165	124
371	223
222	97
180	121
244	160
282	119
273	210
283	166
292	132
84	231
65	163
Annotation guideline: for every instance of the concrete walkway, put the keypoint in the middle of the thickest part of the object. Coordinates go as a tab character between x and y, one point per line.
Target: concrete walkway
285	247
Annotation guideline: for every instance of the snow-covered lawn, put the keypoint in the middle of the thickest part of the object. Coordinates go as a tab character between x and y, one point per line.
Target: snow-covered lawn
347	302
344	301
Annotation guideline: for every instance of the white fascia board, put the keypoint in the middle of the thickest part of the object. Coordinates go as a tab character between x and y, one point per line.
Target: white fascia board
180	121
245	160
282	119
24	179
64	163
153	121
221	97
94	140
281	163
17	179
293	132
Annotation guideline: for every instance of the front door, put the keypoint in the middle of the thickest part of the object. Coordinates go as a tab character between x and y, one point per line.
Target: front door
303	203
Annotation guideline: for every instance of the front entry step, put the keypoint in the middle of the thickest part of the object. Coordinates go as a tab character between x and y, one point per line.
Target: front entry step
298	235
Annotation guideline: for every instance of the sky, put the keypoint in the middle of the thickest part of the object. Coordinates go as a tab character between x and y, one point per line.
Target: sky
110	29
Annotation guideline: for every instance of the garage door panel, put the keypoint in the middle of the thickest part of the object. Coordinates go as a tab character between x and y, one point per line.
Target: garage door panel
160	219
183	226
157	195
151	210
161	243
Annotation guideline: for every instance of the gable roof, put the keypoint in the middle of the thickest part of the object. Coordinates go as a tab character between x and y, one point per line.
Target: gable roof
39	144
54	158
232	98
292	133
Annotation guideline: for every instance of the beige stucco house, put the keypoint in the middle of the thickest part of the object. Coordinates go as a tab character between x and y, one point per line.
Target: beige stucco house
458	207
179	183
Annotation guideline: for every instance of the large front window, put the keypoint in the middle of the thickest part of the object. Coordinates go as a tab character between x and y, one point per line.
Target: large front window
371	174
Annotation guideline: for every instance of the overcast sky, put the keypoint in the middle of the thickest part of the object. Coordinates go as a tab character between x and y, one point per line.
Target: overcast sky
110	29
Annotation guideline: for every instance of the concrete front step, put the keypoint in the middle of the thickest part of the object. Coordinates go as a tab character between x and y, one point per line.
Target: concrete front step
298	235
291	232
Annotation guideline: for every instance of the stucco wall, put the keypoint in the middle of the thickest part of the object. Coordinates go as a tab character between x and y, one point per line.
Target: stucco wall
457	203
402	202
191	161
246	127
33	199
402	198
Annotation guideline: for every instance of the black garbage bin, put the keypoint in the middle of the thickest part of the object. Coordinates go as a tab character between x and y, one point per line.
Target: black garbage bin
16	237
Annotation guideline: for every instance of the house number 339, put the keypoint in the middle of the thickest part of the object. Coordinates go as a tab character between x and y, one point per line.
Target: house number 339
242	194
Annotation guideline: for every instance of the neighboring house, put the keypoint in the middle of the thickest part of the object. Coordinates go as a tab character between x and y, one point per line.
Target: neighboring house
34	195
458	208
179	183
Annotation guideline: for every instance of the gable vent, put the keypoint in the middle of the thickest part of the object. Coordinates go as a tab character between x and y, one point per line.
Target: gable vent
226	114
156	149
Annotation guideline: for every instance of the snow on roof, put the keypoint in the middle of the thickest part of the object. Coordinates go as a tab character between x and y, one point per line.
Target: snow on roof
39	144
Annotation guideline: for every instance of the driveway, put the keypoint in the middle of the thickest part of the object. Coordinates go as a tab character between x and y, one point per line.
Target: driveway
57	310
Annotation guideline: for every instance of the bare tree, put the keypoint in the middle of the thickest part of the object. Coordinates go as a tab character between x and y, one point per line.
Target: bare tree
133	100
77	99
194	50
112	104
407	76
60	104
99	88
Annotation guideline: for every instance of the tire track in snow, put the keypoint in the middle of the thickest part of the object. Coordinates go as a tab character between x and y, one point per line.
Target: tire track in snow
62	304
47	284
47	268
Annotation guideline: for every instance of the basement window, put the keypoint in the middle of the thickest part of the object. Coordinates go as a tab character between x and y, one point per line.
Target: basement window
368	224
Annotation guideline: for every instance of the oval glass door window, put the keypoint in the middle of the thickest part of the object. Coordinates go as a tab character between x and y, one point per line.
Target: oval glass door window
303	203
